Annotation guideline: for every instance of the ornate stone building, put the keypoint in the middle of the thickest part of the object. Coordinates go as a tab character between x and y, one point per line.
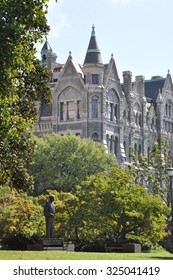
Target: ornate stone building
91	101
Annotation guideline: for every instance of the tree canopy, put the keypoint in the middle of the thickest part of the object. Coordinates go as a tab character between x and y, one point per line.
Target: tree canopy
21	217
23	82
116	208
152	172
108	206
62	162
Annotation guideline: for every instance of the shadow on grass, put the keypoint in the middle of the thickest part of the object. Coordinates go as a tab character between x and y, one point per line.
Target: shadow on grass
162	258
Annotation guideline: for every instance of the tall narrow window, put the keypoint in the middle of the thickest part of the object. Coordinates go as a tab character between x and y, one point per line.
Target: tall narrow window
169	110
148	155
116	146
124	144
95	79
135	149
116	112
140	120
70	110
139	150
94	108
110	111
78	109
61	111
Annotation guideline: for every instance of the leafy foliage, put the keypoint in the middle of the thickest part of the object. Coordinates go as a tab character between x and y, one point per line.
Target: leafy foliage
20	216
23	82
63	162
153	173
118	209
109	206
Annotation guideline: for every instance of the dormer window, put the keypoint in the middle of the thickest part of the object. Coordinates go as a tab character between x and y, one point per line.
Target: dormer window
95	79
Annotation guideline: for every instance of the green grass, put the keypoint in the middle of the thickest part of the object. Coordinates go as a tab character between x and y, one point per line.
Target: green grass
63	255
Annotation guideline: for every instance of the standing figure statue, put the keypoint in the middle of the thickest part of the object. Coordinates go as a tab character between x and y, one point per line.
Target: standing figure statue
49	212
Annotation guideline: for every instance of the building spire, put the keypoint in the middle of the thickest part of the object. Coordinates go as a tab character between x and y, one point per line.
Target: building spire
93	30
93	54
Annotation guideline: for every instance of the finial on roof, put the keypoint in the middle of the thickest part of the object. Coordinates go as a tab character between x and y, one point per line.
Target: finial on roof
168	71
46	47
112	55
70	56
159	97
93	30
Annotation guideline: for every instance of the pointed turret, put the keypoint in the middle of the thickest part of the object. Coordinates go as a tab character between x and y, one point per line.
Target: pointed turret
44	51
93	55
48	57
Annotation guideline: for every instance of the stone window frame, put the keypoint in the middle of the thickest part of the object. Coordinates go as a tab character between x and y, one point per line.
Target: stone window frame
95	110
95	137
113	106
69	95
95	79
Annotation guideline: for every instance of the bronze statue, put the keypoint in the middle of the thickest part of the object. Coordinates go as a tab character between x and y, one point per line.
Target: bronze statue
49	212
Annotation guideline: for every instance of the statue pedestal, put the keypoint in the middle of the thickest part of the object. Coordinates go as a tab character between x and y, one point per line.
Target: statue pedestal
56	244
51	244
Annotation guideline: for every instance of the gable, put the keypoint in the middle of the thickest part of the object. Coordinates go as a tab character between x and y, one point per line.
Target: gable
111	71
168	83
69	70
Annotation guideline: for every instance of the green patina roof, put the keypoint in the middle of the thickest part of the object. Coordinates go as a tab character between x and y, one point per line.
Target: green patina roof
46	47
93	54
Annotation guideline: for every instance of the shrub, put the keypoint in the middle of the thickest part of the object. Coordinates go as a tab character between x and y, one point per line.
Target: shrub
21	218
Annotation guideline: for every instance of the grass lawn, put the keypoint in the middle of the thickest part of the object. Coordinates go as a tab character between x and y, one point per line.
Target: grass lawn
63	255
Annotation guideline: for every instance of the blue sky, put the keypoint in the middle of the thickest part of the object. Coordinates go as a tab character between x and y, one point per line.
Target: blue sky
139	33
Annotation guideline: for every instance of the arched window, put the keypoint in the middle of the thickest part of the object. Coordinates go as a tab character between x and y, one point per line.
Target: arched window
69	104
112	106
95	137
137	111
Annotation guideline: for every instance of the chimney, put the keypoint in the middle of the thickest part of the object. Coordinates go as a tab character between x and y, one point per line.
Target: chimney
127	82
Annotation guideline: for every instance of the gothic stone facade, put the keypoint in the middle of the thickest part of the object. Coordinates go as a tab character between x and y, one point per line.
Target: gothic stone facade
91	101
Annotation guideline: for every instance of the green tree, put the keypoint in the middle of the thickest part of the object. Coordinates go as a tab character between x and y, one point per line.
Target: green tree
20	216
153	172
62	162
67	215
117	208
23	82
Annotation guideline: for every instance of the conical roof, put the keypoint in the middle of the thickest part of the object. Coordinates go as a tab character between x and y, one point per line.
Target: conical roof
46	47
93	54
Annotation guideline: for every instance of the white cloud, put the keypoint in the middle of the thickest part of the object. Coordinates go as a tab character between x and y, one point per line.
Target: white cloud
57	20
59	25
